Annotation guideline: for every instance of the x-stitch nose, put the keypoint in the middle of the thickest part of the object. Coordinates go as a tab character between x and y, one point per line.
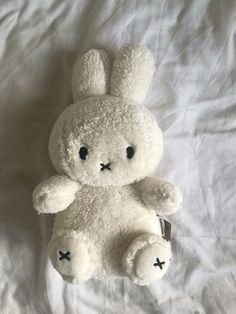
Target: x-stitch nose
105	166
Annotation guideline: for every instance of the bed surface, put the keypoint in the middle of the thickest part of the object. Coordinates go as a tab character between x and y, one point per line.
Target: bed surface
193	97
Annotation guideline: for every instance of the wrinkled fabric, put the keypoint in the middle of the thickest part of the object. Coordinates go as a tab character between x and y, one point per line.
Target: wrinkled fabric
193	97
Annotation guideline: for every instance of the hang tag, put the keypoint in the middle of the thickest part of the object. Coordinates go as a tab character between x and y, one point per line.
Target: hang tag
165	228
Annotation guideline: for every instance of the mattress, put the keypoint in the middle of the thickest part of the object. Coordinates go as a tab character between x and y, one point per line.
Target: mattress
193	97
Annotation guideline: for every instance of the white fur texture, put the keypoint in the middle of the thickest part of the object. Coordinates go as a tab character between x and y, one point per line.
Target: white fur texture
54	194
160	195
106	125
109	226
82	256
91	75
111	217
132	73
136	261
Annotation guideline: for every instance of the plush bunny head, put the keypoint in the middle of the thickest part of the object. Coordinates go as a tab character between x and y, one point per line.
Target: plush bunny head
107	138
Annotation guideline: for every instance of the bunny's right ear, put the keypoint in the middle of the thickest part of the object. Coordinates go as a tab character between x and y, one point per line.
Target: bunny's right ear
91	75
132	72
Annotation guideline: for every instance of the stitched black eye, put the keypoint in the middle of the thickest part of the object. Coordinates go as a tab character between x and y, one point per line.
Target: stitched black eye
83	152
130	152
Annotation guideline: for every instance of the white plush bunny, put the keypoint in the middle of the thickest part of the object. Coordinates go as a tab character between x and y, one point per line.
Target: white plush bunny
104	147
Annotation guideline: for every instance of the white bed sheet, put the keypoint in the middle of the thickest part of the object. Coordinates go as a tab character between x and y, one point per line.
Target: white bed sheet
193	97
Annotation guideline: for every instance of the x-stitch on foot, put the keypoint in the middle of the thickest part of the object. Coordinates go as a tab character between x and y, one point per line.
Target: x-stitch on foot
147	258
73	256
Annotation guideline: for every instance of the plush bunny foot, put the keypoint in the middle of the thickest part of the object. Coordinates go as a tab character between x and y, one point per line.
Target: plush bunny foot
147	258
73	256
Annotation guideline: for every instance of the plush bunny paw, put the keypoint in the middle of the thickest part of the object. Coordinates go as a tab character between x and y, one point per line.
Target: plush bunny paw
73	256
171	199
147	258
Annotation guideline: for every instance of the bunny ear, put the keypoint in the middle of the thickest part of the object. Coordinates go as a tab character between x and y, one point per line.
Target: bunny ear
91	74
132	73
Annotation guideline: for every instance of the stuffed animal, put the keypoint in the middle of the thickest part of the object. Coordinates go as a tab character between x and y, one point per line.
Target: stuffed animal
105	146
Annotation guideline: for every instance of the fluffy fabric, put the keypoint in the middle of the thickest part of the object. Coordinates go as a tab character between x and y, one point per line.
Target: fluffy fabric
143	252
91	75
132	73
105	147
73	255
106	126
54	194
160	195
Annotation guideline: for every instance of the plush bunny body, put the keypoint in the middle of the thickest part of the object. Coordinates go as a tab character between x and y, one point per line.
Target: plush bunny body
104	148
111	228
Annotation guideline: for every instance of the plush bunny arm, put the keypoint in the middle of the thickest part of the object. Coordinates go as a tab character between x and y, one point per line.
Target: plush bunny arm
54	194
159	195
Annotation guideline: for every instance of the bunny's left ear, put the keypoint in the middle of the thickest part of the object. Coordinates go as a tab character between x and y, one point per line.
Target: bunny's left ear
91	75
132	73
